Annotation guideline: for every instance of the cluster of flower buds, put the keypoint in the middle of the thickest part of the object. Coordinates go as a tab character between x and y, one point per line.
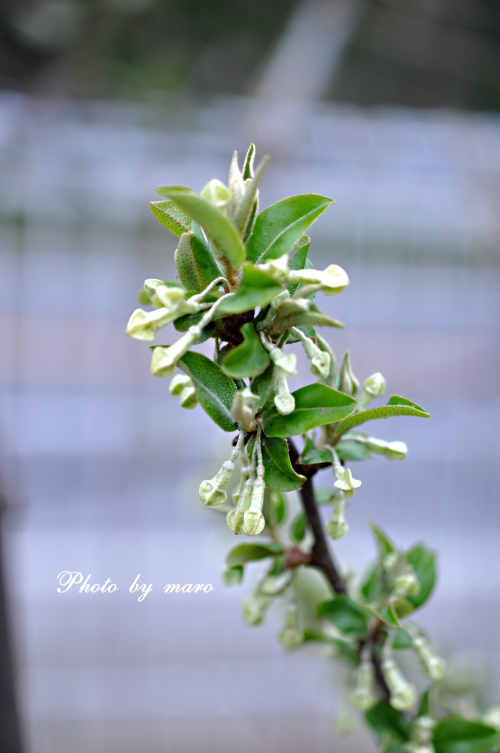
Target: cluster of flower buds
401	574
337	526
373	387
320	360
291	636
182	387
420	736
247	517
402	693
433	665
363	697
213	492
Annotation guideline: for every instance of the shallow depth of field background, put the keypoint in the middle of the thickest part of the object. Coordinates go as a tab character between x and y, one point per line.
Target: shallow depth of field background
391	108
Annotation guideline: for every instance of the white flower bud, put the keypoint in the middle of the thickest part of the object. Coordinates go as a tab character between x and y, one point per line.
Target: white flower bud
253	521
178	383
212	492
375	385
275	584
286	363
188	398
283	400
406	584
143	325
151	285
402	693
332	280
291	636
216	193
165	360
414	747
363	696
390	561
254	607
345	482
244	407
347	382
421	729
235	522
391	450
170	298
492	717
337	526
320	359
433	665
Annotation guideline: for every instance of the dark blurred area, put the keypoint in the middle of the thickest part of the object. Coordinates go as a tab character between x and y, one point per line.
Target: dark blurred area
389	107
417	53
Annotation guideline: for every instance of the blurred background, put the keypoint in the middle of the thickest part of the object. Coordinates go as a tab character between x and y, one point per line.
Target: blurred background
390	107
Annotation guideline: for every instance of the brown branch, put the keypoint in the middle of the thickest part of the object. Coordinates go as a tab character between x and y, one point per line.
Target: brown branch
321	555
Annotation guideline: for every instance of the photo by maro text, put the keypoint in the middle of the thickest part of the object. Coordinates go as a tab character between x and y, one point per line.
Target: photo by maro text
69	578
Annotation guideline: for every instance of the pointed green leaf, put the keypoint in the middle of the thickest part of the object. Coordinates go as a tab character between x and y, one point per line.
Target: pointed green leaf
248	359
278	507
347	615
298	527
251	552
215	390
171	216
383	719
351	449
315	405
248	164
423	562
298	259
279	227
397	406
216	225
208	266
278	471
257	288
384	543
402	640
458	735
372	586
244	211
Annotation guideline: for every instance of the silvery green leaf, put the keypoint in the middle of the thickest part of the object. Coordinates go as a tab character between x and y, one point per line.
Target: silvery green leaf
384	544
215	224
171	216
214	389
278	471
315	405
243	214
397	406
248	359
279	227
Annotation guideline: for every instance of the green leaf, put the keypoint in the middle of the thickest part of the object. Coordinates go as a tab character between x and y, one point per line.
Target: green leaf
382	718
244	212
257	288
143	298
326	496
279	227
171	216
263	386
247	171
424	706
372	585
233	575
190	248
291	313
312	455
402	639
278	507
347	615
396	610
215	390
216	225
252	552
298	527
207	264
278	471
384	543
397	406
248	359
423	562
458	735
183	323
315	405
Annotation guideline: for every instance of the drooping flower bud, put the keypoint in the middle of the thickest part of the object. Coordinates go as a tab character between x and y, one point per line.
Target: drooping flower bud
286	363
254	607
291	636
320	359
332	280
283	400
170	298
276	268
150	286
182	387
346	381
236	517
253	521
244	407
402	693
345	482
373	387
337	526
421	729
406	584
433	665
216	193
213	492
165	359
275	584
390	450
363	696
143	325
